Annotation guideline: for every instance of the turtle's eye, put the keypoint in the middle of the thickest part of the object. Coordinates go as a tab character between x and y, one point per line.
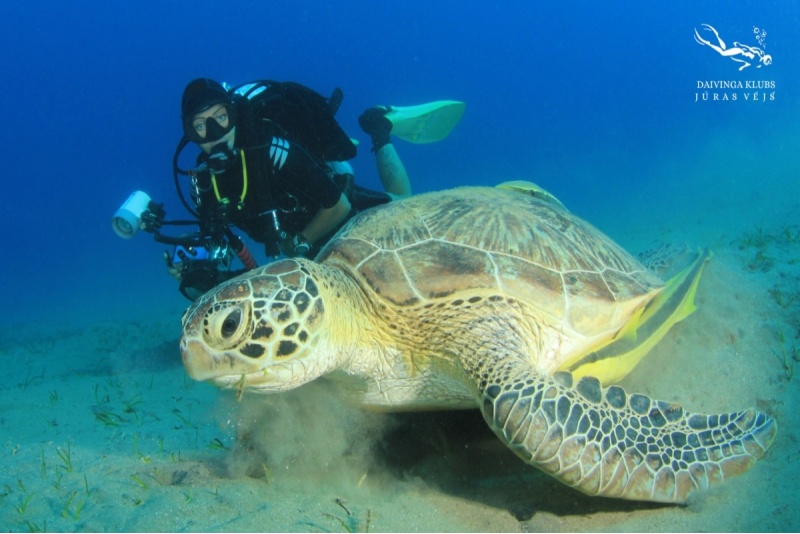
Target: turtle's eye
231	323
226	324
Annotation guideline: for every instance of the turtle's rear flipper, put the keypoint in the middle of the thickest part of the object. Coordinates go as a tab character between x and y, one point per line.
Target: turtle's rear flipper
606	442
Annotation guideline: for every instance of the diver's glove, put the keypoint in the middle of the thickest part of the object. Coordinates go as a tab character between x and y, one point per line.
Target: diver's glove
153	217
173	269
374	122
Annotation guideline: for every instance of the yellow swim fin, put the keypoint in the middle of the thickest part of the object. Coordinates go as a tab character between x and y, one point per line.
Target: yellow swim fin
616	359
426	123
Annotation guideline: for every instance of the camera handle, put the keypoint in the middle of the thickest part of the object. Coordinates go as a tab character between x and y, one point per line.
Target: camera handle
241	250
274	234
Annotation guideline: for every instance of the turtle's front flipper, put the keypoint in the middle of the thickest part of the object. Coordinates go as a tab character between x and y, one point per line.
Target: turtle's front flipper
603	441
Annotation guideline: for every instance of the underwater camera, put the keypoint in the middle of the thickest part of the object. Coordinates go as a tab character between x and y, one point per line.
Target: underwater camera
202	267
203	258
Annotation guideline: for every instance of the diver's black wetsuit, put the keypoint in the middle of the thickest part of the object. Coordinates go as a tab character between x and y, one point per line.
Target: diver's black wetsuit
281	175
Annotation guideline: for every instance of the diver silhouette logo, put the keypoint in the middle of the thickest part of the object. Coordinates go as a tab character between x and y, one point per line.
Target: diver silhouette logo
741	53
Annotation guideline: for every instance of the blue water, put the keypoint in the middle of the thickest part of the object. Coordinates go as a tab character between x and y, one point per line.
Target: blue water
92	91
595	101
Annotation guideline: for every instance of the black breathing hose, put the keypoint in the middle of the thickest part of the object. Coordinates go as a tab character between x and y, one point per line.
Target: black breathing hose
176	171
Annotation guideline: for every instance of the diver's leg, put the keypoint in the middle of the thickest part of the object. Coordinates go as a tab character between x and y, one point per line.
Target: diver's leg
716	34
390	169
392	172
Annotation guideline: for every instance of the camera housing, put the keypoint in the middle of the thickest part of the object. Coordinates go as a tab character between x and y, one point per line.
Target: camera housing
203	267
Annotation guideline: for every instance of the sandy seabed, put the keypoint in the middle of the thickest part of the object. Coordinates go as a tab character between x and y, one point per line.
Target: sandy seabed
103	431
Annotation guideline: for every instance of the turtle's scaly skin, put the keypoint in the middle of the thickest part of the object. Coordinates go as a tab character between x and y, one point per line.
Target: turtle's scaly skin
465	297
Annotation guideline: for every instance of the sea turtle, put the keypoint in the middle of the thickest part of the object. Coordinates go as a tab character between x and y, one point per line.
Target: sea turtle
475	297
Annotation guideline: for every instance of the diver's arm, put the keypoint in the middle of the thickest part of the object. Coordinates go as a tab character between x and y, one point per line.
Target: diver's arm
303	177
326	220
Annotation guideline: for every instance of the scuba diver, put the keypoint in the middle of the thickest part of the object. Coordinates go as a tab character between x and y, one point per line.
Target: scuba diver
273	162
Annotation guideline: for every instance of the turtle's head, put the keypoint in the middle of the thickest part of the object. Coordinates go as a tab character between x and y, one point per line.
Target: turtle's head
258	331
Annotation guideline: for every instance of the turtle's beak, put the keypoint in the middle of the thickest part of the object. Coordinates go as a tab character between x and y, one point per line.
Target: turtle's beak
203	364
196	360
225	370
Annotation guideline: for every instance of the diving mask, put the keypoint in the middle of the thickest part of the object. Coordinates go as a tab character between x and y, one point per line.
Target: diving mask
213	128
